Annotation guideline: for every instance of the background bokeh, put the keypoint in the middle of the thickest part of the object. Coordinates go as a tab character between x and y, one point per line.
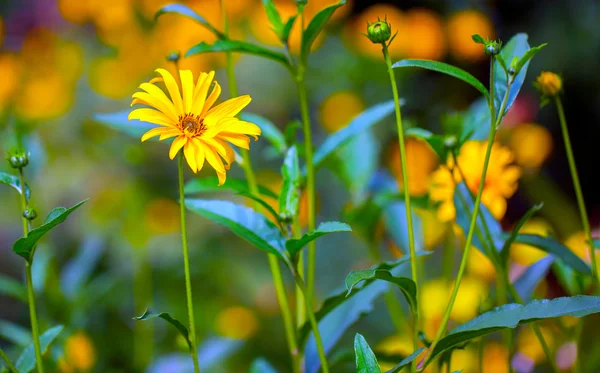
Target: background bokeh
61	61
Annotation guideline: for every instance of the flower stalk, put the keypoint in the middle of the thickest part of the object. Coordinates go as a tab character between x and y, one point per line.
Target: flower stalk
7	361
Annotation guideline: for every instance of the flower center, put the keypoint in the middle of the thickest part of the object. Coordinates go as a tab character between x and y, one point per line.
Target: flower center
192	125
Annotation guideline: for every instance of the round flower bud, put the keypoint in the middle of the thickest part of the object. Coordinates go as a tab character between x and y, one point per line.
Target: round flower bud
173	56
29	214
379	32
450	141
548	83
492	48
18	159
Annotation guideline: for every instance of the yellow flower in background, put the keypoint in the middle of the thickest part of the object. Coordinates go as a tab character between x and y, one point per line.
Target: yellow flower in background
525	254
425	32
10	70
203	132
499	185
162	216
531	144
461	26
577	242
495	357
237	322
421	162
80	354
465	360
480	266
471	294
434	230
333	118
529	345
548	83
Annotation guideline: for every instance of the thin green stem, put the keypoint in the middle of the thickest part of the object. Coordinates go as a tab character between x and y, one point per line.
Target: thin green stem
448	254
186	266
7	361
577	185
409	221
300	301
313	324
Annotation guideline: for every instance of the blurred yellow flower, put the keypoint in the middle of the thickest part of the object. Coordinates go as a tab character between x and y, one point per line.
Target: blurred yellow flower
425	32
80	354
548	83
577	242
525	254
75	11
338	109
162	216
202	131
397	345
531	143
237	322
480	266
44	96
421	162
461	26
471	294
10	70
500	182
434	230
495	357
529	345
465	360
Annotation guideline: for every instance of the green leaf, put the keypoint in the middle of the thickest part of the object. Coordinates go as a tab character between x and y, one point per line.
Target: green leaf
516	46
570	280
358	125
366	362
26	361
269	131
186	11
273	16
289	196
315	27
261	365
476	122
505	252
263	203
294	246
287	29
12	288
182	329
436	142
478	39
446	69
238	46
25	246
408	286
244	222
528	56
529	280
211	185
14	182
550	245
409	359
15	333
290	131
509	316
118	121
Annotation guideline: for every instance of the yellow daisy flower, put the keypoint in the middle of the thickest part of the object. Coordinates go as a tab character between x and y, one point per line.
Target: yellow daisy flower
500	181
203	132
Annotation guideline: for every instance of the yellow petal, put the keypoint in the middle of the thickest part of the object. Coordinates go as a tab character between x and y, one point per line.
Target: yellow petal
153	133
235	125
201	91
161	103
229	154
199	153
241	141
173	89
212	98
218	147
168	133
229	108
187	88
151	116
176	146
446	211
189	150
222	177
213	159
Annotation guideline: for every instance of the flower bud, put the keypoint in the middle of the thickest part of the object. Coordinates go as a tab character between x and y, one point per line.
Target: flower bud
492	48
173	56
548	83
450	141
379	32
18	159
29	214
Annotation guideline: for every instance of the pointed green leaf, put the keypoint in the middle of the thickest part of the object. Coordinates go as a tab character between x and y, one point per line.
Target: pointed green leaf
26	361
289	196
244	222
552	246
14	182
12	288
527	56
445	69
409	359
263	203
188	12
478	39
182	329
118	121
238	46
294	246
25	246
287	29
211	185
533	275
273	16
408	286
15	333
505	252
436	142
315	27
366	362
358	125
516	46
268	130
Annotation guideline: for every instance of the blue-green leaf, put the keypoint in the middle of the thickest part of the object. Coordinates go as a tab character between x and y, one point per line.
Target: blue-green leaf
238	46
244	222
268	208
408	286
118	121
182	329
261	365
527	56
294	246
409	359
268	130
517	46
26	361
25	246
505	252
188	12
12	288
211	185
315	27
289	196
15	333
552	246
445	69
366	362
529	280
14	182
476	121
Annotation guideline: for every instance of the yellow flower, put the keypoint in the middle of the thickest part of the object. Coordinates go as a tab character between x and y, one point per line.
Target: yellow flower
425	34
421	161
531	143
461	26
332	118
577	242
80	354
202	131
529	345
495	357
237	322
500	182
526	254
480	266
548	83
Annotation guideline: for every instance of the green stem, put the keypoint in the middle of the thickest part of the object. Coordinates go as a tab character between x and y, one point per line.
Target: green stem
274	266
7	361
300	302
186	266
409	221
577	185
313	324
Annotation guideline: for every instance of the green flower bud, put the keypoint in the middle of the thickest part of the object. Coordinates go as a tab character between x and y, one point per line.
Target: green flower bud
450	142
173	57
492	48
29	214
18	159
379	32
